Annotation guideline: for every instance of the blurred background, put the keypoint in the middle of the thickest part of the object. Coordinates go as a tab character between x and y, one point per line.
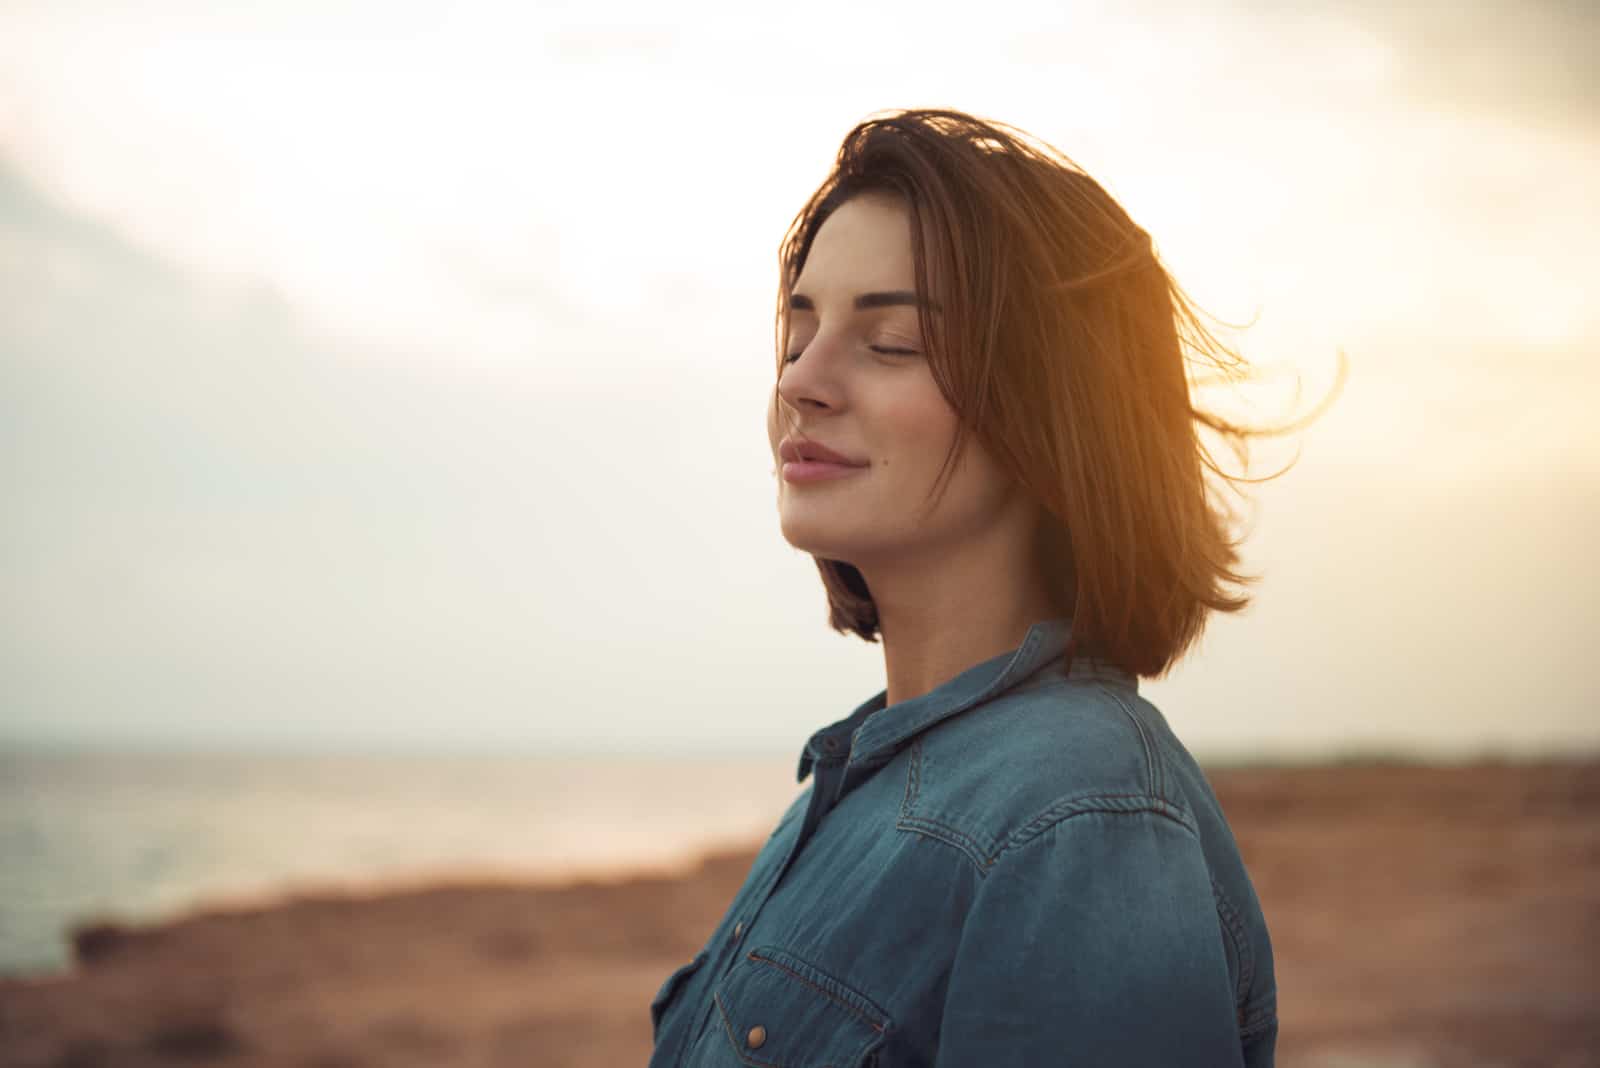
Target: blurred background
382	389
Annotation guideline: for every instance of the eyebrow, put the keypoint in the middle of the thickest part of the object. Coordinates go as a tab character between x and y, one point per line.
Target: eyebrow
887	299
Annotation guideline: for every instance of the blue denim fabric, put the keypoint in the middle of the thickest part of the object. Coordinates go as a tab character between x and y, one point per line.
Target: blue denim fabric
1021	867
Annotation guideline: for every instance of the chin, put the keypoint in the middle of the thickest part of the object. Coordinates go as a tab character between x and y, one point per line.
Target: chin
829	541
815	536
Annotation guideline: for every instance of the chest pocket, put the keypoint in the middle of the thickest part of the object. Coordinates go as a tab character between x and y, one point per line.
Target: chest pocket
775	1010
669	990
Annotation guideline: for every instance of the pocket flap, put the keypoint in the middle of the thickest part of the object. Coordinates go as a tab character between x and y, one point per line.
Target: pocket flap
779	1011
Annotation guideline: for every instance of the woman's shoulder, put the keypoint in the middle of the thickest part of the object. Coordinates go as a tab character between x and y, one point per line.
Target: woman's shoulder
1060	763
1045	752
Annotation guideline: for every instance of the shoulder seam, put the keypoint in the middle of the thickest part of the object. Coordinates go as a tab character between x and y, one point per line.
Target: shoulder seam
1155	773
1069	808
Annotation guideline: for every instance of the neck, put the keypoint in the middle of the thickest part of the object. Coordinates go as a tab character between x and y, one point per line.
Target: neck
937	618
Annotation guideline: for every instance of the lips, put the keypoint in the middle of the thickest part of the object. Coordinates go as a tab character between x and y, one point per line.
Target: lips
796	450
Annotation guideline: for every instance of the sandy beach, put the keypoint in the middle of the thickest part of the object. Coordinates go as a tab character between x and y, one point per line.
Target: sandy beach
1421	916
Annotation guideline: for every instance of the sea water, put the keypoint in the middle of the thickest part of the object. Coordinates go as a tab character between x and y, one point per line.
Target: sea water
138	836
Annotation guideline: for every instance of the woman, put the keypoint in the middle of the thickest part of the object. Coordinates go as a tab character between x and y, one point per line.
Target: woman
986	441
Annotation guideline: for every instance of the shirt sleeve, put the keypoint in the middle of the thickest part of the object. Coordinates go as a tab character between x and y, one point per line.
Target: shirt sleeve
1093	942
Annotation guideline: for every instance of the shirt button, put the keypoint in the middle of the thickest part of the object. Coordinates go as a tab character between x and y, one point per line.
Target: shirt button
756	1037
738	929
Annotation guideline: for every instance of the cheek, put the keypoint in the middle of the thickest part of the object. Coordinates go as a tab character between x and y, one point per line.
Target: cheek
980	482
920	426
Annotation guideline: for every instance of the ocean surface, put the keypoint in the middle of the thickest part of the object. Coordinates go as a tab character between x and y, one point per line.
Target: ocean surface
143	836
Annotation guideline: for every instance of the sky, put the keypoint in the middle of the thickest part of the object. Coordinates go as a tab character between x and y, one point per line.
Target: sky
394	375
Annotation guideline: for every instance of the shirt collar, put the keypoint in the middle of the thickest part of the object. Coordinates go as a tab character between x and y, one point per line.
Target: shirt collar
863	736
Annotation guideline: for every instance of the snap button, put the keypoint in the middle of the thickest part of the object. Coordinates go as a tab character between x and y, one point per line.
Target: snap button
738	929
830	743
756	1037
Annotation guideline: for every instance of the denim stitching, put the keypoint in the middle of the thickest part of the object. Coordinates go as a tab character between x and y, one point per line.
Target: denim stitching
1001	683
830	995
1158	760
1079	803
1144	741
1260	1015
913	778
1234	927
1115	804
949	836
1160	753
727	1025
978	848
930	826
1257	1025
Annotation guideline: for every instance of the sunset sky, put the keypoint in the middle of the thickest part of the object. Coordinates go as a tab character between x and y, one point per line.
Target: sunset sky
382	375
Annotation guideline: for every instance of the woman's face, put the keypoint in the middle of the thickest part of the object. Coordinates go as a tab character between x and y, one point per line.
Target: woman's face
862	387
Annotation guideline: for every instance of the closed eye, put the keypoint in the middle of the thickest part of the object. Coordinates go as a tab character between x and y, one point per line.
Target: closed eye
883	349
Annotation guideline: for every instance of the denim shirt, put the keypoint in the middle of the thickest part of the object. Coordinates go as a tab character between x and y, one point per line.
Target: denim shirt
1021	867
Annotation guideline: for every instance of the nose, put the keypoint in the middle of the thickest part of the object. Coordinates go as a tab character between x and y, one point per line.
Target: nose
813	382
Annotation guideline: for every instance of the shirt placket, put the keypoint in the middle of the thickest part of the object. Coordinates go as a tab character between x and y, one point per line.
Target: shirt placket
828	773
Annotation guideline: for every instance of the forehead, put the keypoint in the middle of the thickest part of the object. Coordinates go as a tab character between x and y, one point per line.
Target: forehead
865	243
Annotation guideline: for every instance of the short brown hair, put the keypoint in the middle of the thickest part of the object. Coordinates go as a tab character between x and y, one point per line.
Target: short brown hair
1064	345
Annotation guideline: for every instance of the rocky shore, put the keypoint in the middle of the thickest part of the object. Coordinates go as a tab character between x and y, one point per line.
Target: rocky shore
1421	916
